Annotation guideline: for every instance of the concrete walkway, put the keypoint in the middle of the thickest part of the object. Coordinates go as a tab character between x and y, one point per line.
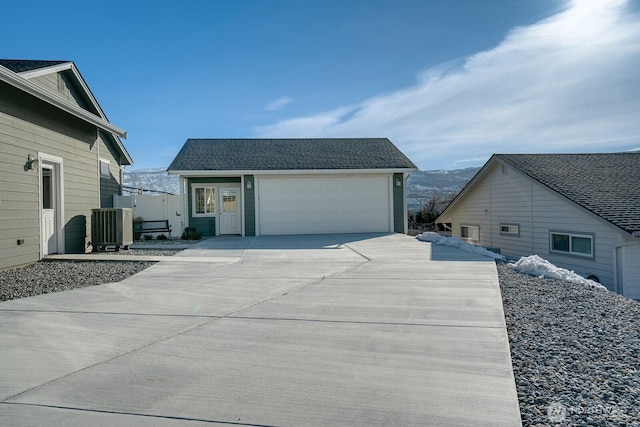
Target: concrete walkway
344	330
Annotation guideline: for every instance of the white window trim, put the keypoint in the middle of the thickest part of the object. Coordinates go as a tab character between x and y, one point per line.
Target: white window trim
471	237
193	200
100	162
571	234
513	229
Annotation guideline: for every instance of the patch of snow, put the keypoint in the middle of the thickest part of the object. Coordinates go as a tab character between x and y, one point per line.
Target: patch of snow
457	243
537	266
533	264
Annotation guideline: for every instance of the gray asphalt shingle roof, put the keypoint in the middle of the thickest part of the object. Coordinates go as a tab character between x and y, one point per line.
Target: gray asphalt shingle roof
289	154
22	65
606	184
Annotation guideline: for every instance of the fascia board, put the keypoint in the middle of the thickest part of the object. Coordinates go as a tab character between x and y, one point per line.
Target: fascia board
199	173
25	85
46	70
64	67
467	188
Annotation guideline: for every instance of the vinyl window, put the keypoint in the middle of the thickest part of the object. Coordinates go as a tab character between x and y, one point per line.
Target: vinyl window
105	172
571	243
510	229
470	232
204	201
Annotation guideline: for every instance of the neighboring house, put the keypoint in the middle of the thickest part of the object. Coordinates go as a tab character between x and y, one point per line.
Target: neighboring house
59	158
293	186
579	211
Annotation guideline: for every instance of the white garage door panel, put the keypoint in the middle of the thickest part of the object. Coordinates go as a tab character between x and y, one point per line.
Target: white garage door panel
300	205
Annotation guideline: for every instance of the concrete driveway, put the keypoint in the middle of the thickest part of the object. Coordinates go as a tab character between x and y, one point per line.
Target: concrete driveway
326	330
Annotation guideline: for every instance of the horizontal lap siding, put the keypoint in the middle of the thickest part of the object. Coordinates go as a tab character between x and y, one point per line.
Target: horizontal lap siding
29	127
472	212
205	225
109	185
552	213
512	198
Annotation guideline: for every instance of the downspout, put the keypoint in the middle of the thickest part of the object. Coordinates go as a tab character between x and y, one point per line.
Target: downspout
490	211
531	214
616	280
98	166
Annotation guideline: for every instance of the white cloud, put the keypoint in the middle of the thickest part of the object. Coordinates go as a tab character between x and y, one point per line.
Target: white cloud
566	83
278	104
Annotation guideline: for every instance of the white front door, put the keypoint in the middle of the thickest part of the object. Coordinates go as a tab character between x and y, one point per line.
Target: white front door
49	216
230	218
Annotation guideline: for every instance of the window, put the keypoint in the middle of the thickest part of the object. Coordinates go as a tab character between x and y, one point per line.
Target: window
204	201
572	243
510	229
104	168
470	232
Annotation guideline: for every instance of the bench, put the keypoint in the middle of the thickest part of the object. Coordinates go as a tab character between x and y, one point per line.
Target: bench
155	226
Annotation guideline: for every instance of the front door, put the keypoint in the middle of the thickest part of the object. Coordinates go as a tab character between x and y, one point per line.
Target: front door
230	219
49	202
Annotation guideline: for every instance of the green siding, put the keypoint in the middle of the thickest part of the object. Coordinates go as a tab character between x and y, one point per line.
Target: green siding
27	127
109	185
398	203
249	206
205	225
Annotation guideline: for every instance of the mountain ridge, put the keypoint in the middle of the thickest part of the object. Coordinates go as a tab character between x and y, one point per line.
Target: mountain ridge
421	185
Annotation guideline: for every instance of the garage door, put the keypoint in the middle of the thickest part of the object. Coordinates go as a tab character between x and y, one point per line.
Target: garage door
305	205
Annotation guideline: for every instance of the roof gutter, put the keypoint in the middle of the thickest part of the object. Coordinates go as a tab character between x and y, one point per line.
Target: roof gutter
25	85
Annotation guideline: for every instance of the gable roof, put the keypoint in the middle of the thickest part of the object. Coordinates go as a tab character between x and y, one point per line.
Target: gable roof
289	154
605	184
17	73
22	65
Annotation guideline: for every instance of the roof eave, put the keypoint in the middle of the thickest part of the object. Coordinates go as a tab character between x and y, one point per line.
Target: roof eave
32	89
200	173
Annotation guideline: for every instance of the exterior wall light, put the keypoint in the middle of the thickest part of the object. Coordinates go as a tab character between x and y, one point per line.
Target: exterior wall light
398	183
30	161
248	185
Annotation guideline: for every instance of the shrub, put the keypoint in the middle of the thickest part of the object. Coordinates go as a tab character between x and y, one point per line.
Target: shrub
162	237
190	233
148	236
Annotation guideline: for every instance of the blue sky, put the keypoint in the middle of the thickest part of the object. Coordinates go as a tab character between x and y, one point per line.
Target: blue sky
449	82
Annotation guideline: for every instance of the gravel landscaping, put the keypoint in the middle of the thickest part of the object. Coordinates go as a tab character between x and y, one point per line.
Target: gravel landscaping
54	276
575	352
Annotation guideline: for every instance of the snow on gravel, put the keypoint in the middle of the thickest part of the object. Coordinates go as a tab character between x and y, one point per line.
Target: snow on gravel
537	266
457	243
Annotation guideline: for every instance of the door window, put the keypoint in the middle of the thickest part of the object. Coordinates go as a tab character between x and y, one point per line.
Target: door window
47	188
229	202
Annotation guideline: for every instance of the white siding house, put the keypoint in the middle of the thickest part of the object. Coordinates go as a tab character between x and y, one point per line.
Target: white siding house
581	212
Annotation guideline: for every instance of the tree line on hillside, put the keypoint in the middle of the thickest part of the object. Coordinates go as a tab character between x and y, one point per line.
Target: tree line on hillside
431	209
